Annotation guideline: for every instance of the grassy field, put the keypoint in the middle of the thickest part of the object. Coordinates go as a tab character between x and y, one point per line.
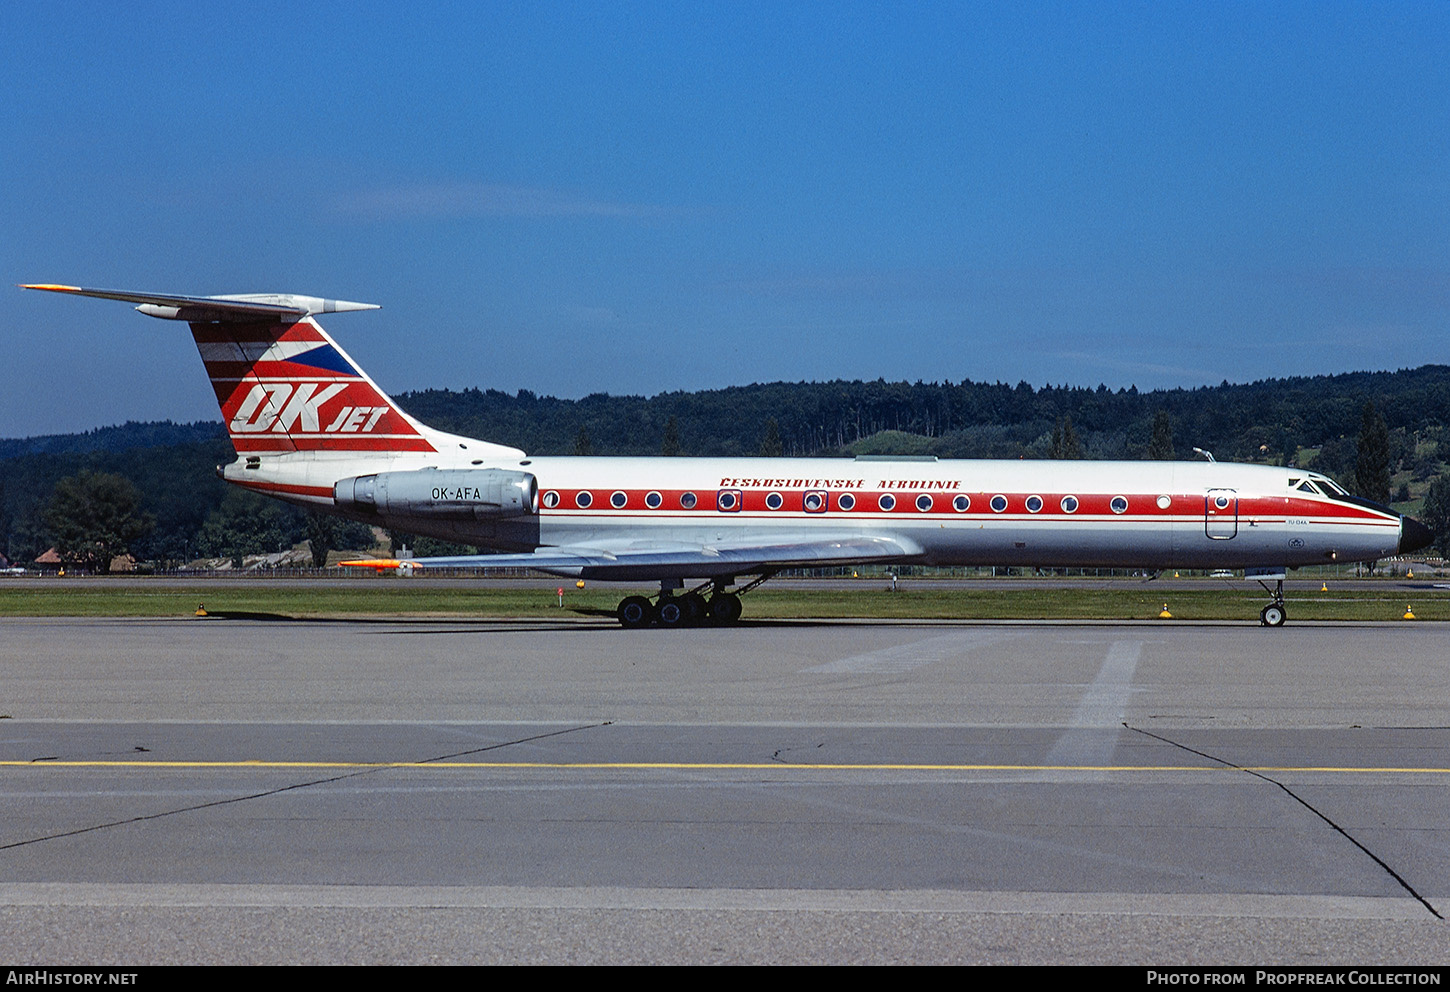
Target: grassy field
405	599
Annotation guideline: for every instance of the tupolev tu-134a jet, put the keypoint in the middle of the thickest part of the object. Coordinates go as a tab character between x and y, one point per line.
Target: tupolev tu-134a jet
310	427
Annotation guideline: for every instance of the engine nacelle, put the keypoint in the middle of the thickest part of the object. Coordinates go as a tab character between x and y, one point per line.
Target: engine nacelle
441	494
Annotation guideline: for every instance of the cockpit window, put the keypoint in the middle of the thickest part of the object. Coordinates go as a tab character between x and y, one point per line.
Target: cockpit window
1307	487
1332	489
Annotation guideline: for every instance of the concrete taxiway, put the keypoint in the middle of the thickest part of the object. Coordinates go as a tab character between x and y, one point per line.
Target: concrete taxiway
220	790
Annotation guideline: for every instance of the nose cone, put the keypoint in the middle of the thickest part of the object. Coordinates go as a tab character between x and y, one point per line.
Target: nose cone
1414	535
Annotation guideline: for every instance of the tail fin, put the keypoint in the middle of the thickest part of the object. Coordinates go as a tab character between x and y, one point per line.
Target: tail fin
289	387
282	383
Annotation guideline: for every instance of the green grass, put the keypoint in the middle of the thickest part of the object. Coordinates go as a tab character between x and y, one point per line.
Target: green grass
403	599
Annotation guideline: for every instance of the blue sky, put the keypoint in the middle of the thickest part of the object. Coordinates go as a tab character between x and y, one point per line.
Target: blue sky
637	198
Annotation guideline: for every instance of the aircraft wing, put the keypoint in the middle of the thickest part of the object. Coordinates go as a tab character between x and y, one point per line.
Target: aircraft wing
651	561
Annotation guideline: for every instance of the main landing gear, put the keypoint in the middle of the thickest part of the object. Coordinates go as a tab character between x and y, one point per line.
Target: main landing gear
690	609
1274	614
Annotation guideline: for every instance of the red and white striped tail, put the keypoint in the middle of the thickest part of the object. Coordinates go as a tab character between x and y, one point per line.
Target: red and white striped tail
283	384
289	387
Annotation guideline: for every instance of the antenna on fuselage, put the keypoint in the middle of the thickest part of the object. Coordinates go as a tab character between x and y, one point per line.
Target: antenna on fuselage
1205	454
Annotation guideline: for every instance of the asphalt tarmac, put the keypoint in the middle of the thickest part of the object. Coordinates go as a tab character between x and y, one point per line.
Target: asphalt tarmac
206	790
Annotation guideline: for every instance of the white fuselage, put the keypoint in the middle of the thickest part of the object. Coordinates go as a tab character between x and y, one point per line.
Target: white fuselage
953	512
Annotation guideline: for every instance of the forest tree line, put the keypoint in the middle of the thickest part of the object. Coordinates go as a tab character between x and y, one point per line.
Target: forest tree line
1317	422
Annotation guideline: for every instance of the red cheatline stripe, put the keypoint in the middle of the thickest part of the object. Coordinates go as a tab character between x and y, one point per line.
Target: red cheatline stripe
1095	506
285	487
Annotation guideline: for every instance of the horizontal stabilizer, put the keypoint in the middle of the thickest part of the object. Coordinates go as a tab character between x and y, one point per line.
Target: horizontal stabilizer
213	309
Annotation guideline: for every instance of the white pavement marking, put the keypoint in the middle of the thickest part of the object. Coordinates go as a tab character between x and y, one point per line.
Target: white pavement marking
1094	726
917	654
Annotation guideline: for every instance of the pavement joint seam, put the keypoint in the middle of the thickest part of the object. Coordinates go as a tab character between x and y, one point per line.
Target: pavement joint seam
1302	802
281	789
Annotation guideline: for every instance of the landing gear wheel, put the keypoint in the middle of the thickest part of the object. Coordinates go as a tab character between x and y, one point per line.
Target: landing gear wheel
635	611
1272	615
671	612
725	607
696	609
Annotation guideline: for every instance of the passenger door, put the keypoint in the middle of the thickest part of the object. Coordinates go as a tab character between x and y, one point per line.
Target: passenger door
1221	514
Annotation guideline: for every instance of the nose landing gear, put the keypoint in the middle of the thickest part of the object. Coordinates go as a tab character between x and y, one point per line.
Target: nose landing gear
1274	614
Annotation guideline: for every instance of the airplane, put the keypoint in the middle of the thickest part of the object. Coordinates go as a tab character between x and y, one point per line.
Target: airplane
311	428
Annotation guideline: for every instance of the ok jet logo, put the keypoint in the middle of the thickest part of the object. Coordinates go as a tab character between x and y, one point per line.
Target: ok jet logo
279	407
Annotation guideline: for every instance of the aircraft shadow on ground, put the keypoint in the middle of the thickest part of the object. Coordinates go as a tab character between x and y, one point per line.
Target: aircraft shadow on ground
502	625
